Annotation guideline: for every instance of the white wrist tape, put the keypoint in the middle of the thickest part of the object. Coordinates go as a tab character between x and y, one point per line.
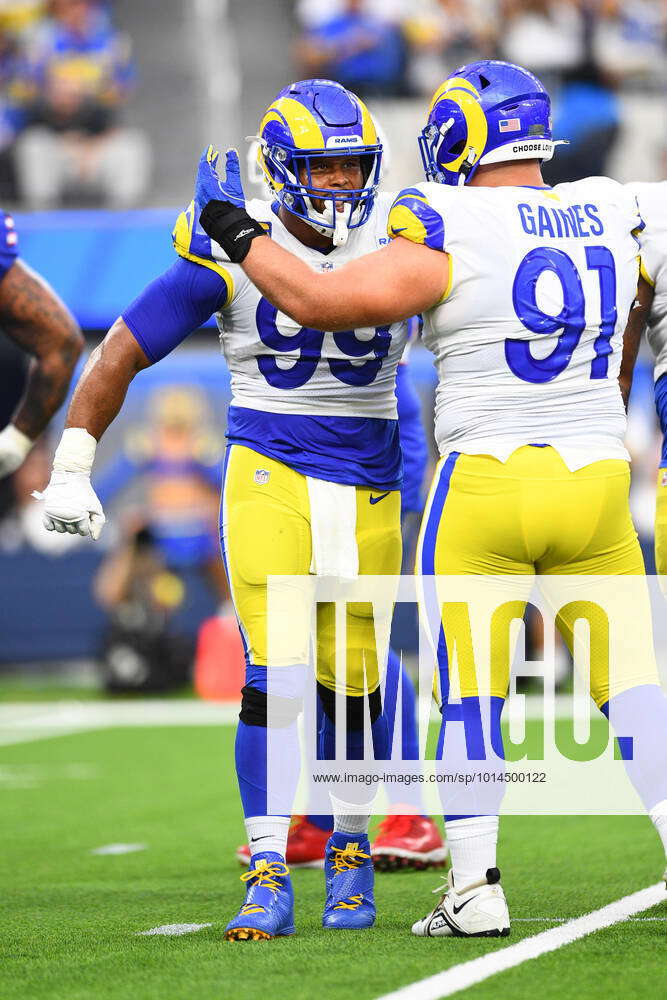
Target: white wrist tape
16	440
76	451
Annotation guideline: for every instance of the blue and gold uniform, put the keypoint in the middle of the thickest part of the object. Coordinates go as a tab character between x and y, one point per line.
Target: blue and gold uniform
305	405
651	199
534	474
313	469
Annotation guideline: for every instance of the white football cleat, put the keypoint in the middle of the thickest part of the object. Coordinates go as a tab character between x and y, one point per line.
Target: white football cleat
476	910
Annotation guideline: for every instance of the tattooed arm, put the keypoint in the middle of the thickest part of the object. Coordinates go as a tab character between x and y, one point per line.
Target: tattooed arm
33	316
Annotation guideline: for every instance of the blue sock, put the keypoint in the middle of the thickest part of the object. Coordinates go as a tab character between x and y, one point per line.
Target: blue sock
639	719
409	739
408	794
250	749
354	740
470	740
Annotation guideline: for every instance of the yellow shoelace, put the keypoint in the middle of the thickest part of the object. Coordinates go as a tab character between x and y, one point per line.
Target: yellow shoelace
351	903
266	873
347	858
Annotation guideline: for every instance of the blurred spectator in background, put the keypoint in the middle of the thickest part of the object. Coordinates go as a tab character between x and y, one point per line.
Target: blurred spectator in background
547	36
629	39
140	651
12	116
363	51
312	13
588	116
178	455
444	34
79	77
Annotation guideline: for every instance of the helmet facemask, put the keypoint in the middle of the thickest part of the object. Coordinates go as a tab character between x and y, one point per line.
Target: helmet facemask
284	169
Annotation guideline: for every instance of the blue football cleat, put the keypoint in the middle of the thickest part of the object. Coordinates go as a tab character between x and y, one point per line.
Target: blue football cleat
348	869
268	910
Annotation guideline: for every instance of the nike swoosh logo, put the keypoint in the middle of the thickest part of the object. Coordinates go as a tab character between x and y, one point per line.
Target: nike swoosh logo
255	840
395	230
457	909
375	500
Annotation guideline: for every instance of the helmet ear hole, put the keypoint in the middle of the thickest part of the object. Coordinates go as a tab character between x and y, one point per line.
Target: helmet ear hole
367	163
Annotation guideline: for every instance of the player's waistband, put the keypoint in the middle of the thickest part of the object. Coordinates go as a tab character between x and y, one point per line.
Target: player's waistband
539	461
354	451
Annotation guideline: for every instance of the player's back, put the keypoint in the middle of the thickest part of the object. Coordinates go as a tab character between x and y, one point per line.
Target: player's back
528	341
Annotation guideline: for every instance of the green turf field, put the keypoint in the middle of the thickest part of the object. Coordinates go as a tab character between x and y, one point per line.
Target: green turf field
70	919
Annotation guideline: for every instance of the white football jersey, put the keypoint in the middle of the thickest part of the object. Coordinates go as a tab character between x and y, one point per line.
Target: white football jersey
528	337
652	202
275	365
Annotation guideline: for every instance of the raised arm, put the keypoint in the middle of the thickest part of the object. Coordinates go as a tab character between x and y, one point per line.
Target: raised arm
165	313
637	321
33	316
389	285
392	284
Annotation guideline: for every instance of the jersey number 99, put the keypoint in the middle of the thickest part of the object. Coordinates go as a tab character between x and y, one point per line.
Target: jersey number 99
309	343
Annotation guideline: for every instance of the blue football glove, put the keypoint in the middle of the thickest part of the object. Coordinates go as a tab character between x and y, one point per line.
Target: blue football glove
221	205
209	186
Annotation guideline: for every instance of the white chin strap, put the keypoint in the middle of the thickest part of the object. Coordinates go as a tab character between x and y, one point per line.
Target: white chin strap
323	222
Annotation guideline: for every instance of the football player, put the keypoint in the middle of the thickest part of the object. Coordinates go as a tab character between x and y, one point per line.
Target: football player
407	837
312	429
526	292
651	315
32	315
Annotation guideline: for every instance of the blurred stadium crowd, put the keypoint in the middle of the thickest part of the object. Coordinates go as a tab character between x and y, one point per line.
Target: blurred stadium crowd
69	78
66	75
405	47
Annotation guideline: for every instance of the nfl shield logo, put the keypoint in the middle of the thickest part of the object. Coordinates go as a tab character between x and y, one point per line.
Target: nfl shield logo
664	478
262	476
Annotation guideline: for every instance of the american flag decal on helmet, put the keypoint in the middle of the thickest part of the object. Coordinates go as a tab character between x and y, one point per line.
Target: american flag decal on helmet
509	125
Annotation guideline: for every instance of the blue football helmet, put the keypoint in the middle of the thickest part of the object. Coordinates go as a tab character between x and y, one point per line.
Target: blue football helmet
309	120
485	112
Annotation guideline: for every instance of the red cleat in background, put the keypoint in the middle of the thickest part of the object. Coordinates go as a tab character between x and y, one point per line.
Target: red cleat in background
305	845
408	842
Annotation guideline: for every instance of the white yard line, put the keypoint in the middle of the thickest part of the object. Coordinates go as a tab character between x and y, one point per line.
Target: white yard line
114	849
467	974
22	722
173	930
